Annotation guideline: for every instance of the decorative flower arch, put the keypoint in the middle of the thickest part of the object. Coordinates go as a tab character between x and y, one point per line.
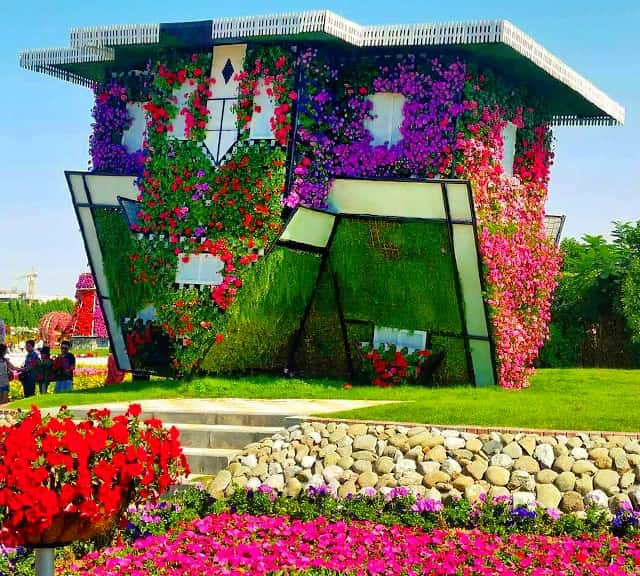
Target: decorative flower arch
53	327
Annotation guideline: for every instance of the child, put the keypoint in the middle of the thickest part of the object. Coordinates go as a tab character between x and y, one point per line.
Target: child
6	368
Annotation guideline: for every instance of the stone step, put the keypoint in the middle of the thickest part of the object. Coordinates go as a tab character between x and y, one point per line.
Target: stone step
221	435
210	418
208	461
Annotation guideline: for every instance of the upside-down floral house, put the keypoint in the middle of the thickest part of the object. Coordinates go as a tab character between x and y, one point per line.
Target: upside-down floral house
269	193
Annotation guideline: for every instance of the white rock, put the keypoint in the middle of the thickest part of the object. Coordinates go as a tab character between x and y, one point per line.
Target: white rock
523	499
250	461
332	473
502	460
544	454
253	483
451	467
428	466
597	498
579	453
405	465
315	436
316	480
308	461
454	442
276	482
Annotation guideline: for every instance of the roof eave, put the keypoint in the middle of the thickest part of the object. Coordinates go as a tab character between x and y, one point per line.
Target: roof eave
93	45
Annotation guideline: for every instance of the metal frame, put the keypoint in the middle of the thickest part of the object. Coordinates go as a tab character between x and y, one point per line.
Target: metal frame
325	263
92	265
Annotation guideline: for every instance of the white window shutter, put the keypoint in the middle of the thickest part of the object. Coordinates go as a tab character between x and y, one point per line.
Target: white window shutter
261	120
133	136
410	339
182	96
388	118
201	269
509	133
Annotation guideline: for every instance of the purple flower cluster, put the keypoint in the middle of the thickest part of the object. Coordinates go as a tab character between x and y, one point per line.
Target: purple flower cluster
334	140
111	118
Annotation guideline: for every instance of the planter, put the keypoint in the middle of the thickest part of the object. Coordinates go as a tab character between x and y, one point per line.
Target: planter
70	527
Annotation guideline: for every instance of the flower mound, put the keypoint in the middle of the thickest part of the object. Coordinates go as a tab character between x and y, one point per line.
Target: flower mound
61	480
259	545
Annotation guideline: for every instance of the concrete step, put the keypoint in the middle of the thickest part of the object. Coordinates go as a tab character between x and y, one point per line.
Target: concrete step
221	435
208	461
209	418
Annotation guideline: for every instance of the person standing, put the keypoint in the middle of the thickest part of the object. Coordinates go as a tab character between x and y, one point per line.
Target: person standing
3	331
28	373
44	371
5	374
63	368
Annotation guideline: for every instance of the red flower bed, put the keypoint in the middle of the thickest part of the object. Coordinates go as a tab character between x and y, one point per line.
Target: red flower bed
61	480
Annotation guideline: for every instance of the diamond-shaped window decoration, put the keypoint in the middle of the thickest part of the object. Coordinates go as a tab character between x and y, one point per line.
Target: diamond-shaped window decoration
227	71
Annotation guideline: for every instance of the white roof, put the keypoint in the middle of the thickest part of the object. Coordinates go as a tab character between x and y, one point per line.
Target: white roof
95	44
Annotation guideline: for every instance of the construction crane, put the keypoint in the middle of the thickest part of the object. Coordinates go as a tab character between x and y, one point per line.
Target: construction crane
31	284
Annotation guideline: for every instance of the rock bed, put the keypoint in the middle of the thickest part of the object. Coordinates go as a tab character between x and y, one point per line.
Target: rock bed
557	471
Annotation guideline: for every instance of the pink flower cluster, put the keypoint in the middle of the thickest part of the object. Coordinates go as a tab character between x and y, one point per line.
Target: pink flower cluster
521	263
259	545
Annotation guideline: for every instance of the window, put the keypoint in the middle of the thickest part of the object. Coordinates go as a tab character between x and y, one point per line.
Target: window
508	147
410	339
182	95
203	269
387	112
264	108
133	136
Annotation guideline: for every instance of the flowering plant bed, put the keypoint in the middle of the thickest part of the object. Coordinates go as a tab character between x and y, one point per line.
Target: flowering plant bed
387	366
261	545
61	481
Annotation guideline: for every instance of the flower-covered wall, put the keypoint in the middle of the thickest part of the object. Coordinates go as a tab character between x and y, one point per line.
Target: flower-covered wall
87	320
301	119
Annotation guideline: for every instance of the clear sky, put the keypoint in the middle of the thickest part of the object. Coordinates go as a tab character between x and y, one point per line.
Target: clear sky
46	122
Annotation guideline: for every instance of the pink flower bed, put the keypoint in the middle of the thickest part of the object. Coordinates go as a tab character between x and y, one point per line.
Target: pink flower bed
229	544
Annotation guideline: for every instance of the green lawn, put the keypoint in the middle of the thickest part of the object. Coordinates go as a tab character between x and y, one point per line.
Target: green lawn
580	399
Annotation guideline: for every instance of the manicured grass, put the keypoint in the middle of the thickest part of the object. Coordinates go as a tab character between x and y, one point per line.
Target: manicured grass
571	399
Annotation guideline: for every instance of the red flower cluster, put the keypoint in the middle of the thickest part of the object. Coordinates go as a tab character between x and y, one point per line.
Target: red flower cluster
61	480
387	366
277	80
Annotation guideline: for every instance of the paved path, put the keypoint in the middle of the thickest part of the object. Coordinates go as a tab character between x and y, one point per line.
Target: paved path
289	407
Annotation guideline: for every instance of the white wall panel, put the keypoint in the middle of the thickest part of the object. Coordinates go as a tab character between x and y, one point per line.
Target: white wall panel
309	227
119	345
464	245
482	362
234	54
106	189
78	192
509	133
458	196
384	198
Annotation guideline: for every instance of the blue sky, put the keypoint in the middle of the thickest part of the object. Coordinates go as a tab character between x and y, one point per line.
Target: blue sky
46	122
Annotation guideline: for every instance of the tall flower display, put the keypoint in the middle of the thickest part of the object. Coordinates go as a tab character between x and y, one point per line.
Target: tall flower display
87	319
